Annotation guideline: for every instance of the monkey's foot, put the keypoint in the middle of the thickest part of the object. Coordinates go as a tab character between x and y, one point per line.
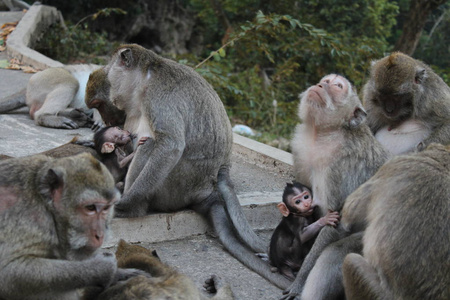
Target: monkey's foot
213	284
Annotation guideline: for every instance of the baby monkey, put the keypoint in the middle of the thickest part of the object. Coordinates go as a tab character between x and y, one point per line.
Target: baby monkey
294	236
115	147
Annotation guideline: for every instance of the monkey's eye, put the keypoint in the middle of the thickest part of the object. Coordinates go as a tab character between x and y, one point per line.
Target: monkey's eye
297	201
306	197
339	85
90	207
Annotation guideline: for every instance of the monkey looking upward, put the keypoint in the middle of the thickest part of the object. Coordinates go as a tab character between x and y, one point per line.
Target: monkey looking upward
334	153
54	215
294	236
408	105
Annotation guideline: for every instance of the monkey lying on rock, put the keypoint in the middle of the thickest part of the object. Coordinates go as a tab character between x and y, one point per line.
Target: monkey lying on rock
55	97
408	105
164	283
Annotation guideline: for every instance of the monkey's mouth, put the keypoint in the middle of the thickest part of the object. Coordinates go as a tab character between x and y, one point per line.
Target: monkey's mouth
390	108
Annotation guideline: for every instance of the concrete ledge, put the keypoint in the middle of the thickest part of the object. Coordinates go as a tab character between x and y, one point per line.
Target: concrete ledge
174	226
263	155
30	28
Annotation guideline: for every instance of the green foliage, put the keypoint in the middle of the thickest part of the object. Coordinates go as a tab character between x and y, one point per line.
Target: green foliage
76	43
277	56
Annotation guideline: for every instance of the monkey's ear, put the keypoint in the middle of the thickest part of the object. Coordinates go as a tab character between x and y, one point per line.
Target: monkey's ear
126	57
283	209
421	74
51	184
108	147
155	254
359	116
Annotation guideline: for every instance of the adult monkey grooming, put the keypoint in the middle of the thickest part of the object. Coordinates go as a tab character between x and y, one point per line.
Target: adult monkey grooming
408	105
334	152
186	164
54	214
406	248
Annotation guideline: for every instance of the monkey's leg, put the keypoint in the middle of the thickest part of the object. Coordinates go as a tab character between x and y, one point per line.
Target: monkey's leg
361	280
13	102
82	117
237	216
57	100
326	236
223	228
325	281
223	290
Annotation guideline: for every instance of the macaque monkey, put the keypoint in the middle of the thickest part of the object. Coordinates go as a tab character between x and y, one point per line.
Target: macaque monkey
294	236
97	96
54	215
55	97
190	149
114	146
334	152
408	105
164	283
405	207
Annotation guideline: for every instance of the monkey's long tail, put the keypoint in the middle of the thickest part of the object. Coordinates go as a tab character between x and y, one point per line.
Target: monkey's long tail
236	214
13	102
223	228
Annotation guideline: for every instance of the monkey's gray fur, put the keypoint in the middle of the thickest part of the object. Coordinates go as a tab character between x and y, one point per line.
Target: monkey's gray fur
406	206
186	162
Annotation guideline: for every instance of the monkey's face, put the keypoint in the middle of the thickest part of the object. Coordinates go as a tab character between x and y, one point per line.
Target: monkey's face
300	202
394	107
118	136
320	101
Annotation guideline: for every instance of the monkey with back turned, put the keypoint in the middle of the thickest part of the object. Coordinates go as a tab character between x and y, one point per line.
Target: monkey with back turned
407	103
404	209
294	236
164	283
54	216
191	141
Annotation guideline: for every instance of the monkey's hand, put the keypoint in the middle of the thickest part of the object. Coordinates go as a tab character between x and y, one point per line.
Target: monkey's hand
213	284
106	264
331	218
288	295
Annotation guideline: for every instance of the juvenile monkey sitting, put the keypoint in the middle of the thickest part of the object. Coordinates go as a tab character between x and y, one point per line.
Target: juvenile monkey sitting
115	148
294	236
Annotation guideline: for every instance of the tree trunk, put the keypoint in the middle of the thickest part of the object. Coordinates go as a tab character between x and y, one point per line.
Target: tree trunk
412	28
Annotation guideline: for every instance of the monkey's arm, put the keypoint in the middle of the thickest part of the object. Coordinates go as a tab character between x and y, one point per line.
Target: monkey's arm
326	236
440	135
310	231
42	275
153	161
123	160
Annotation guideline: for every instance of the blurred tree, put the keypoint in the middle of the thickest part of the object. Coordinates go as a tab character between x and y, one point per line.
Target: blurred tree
419	12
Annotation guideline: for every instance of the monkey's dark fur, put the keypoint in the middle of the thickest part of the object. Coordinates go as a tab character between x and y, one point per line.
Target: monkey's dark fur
287	251
406	243
403	92
47	250
187	163
165	282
